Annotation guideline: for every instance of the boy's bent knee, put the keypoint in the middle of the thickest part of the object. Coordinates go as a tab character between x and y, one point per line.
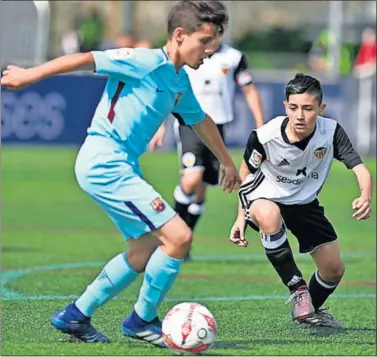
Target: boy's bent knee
139	254
176	238
333	272
191	180
138	259
266	214
179	245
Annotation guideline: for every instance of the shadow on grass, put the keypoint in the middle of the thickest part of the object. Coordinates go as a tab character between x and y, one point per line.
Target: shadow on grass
319	333
18	249
231	345
326	332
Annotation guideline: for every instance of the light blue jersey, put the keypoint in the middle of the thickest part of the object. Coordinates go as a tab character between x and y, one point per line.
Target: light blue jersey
142	90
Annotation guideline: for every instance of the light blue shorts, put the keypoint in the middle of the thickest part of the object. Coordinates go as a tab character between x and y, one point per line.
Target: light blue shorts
115	182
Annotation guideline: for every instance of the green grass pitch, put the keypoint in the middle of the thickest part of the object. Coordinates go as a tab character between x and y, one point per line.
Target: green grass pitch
55	240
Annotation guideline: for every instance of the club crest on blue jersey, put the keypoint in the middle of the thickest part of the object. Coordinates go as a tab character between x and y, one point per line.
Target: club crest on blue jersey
158	205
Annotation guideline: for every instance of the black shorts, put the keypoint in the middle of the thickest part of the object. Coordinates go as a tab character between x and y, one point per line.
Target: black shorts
307	223
193	154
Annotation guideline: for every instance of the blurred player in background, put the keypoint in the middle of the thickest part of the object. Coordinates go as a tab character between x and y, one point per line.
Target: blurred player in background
143	44
214	85
125	40
143	88
286	163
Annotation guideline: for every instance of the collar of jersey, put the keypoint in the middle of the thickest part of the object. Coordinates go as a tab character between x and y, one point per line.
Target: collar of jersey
165	52
300	144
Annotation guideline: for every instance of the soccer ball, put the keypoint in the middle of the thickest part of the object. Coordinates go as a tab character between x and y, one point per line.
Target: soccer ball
189	328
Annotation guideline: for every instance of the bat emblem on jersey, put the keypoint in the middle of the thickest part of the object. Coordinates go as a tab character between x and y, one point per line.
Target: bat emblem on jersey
320	152
225	70
158	205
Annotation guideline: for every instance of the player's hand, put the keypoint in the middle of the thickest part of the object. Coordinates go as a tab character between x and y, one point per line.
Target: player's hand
229	178
157	139
237	233
362	208
16	77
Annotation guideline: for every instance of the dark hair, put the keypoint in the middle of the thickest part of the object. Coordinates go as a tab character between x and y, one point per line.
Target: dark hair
303	83
191	15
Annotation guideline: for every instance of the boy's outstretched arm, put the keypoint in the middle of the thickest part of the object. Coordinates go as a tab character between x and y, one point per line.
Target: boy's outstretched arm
254	103
243	172
362	205
344	152
252	158
237	232
16	77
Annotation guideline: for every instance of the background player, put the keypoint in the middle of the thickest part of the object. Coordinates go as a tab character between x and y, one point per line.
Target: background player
144	87
214	85
286	163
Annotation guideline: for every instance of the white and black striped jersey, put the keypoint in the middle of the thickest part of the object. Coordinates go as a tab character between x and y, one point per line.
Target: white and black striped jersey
293	173
214	82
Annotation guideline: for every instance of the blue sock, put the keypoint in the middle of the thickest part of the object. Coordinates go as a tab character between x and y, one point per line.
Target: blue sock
160	274
135	320
73	313
113	279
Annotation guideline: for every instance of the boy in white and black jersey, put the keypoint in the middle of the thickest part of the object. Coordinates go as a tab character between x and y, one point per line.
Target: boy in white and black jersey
214	85
286	163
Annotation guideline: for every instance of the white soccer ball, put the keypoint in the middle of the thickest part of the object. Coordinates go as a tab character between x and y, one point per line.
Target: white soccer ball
189	328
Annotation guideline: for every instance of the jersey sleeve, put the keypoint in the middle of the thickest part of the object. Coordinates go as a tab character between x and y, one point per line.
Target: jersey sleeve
122	63
187	109
343	149
242	75
254	153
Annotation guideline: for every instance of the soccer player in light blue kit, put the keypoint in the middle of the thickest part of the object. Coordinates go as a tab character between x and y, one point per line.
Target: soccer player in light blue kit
144	87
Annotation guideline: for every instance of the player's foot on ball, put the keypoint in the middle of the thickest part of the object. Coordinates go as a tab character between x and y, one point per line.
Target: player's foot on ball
70	320
302	304
133	326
